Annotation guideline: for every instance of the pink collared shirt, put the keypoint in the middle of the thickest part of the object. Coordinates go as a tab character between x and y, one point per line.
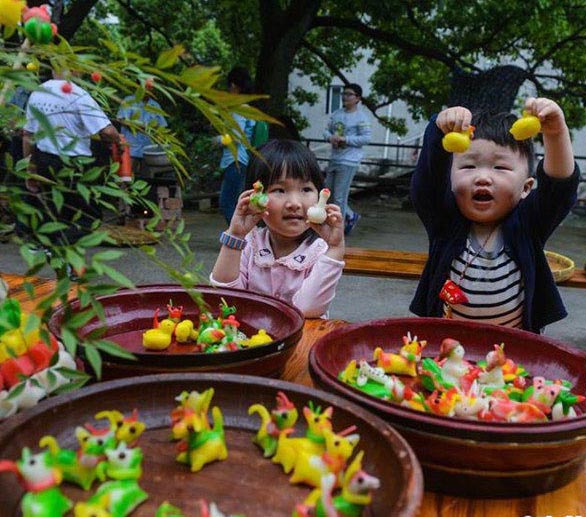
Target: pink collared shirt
307	278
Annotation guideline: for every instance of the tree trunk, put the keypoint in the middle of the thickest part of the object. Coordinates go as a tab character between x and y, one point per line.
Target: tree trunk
281	36
494	89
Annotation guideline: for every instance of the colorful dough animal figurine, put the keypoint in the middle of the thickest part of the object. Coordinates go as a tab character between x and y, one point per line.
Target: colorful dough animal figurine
493	376
259	199
37	24
122	494
313	443
200	445
205	510
458	141
527	126
159	338
310	468
125	429
82	509
356	493
260	338
453	366
41	480
317	213
403	363
282	418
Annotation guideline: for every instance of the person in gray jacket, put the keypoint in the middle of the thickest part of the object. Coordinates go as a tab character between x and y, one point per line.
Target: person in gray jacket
348	130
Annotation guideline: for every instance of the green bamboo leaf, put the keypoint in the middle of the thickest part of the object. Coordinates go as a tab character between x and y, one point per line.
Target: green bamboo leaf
108	255
80	318
169	57
16	391
52	227
84	192
92	240
94	358
114	349
71	386
75	259
58	199
71	374
117	277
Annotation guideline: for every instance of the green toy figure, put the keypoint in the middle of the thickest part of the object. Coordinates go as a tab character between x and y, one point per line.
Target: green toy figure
41	479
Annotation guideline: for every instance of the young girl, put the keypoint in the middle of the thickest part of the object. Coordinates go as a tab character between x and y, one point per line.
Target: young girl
297	261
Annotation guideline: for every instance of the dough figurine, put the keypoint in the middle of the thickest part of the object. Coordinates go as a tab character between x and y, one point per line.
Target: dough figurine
317	214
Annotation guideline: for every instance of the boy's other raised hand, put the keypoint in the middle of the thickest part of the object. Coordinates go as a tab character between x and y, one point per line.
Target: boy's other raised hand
457	118
549	114
245	216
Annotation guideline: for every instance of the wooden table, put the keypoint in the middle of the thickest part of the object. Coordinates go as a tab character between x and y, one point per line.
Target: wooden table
569	501
565	502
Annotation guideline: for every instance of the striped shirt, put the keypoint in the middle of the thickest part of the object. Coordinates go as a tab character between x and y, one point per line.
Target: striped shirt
493	284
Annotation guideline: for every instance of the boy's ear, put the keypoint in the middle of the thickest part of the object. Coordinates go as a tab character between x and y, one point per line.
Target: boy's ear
527	186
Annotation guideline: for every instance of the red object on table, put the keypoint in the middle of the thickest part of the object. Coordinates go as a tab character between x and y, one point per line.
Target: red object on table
121	154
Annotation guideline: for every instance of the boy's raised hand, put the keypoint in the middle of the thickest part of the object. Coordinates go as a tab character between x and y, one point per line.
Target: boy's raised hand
549	114
332	231
245	216
457	118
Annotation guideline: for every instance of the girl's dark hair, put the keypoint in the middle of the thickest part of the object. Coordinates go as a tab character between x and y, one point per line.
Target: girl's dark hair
288	157
241	78
495	127
292	158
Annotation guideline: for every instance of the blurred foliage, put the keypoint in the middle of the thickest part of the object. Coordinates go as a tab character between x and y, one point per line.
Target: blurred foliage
168	77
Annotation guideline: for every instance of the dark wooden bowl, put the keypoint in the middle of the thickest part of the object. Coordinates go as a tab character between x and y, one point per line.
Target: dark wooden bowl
246	482
466	457
129	312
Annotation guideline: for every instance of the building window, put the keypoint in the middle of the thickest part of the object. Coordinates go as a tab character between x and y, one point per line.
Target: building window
334	100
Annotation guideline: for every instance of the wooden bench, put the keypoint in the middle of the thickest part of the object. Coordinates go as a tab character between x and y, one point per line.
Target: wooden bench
409	264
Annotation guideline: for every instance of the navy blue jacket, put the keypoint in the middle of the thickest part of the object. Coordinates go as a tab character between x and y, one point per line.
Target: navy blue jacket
525	231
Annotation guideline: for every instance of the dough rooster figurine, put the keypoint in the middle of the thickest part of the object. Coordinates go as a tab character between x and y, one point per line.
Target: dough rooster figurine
317	213
458	141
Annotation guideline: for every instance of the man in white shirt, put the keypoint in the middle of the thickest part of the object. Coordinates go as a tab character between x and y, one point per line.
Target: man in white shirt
74	117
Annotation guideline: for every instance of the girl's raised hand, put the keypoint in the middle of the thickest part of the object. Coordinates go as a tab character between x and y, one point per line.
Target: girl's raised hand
245	216
332	229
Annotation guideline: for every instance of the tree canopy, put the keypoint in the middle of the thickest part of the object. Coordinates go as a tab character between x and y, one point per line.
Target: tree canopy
427	53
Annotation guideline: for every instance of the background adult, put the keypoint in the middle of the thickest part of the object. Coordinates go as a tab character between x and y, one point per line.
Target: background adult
73	118
145	113
348	130
234	168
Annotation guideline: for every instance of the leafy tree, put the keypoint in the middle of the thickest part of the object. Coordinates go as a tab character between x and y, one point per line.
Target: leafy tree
108	80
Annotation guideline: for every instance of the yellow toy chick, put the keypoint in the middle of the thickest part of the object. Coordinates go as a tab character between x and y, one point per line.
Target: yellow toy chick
261	338
159	338
458	141
185	333
525	127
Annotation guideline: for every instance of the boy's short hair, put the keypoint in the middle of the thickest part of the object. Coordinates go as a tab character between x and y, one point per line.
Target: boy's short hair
495	127
356	88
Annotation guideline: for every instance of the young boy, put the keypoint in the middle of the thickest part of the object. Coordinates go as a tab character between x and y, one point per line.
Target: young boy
487	225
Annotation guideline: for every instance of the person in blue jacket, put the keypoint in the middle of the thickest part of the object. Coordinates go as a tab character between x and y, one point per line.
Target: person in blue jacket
234	167
488	218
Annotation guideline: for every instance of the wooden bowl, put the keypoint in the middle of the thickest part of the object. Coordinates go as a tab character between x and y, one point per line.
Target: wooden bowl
459	456
129	312
561	266
246	482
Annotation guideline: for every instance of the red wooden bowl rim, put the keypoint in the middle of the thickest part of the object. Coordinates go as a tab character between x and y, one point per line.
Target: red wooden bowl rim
413	474
193	359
